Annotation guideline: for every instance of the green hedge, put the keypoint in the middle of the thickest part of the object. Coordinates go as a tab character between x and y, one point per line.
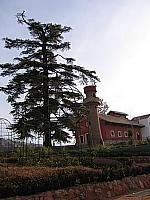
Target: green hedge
97	162
139	150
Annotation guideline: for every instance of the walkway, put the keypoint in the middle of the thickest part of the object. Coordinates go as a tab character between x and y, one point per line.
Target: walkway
142	195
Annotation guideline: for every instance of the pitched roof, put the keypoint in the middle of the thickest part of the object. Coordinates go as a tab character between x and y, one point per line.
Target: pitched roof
118	120
141	117
116	112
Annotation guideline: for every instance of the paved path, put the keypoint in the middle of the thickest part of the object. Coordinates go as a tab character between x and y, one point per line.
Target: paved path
142	195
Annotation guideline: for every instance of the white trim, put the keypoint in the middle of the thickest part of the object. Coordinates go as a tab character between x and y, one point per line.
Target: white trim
112	133
125	133
119	132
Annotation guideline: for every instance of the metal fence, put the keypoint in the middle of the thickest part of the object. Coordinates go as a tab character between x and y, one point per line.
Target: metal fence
10	142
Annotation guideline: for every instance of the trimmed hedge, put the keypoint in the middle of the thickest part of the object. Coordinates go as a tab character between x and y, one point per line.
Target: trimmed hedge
138	150
97	162
55	161
132	160
63	161
29	180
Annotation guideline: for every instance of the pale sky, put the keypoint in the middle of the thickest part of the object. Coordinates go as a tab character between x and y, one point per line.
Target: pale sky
110	36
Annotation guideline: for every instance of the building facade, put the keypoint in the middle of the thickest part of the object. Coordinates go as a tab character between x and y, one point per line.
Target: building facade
95	128
145	120
115	127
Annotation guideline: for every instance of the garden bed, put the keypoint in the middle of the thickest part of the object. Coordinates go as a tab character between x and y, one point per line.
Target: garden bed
29	180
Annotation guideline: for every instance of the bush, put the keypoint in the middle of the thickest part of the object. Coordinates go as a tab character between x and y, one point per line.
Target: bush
8	159
59	161
139	150
53	161
26	180
97	162
29	180
133	159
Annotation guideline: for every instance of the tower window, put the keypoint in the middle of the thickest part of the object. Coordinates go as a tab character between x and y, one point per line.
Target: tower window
87	138
81	139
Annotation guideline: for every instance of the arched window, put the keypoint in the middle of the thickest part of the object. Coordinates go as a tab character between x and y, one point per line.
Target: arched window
119	134
112	133
125	134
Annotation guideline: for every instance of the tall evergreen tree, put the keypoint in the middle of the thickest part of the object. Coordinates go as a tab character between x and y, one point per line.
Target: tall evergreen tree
42	89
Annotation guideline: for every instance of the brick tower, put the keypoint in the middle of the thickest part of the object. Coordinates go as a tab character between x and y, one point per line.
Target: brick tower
92	102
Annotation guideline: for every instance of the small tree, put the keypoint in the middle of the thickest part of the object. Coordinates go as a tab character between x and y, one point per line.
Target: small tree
130	137
103	107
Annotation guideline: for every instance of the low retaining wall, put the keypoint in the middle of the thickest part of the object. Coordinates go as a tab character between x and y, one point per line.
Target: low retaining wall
98	191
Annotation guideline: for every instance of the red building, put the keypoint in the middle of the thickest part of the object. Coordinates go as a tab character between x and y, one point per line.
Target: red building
113	126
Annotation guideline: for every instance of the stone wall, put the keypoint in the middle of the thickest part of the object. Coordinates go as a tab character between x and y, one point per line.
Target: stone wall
98	191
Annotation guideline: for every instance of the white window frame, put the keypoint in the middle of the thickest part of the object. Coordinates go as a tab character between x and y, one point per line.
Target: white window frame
112	135
120	134
126	134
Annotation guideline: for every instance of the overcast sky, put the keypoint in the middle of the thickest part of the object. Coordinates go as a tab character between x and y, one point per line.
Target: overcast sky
110	36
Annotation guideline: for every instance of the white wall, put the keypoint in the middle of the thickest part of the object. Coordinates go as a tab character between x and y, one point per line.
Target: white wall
146	130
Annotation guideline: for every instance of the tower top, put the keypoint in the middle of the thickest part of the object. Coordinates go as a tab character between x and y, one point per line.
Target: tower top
90	89
90	92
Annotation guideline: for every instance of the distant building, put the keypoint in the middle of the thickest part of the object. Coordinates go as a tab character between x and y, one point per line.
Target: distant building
115	126
145	120
95	128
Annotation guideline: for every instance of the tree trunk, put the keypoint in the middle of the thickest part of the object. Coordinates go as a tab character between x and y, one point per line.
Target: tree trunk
47	134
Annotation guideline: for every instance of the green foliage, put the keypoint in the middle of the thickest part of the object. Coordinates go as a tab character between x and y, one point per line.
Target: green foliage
42	87
44	151
133	160
60	161
53	161
128	150
99	163
130	137
139	150
148	140
95	158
